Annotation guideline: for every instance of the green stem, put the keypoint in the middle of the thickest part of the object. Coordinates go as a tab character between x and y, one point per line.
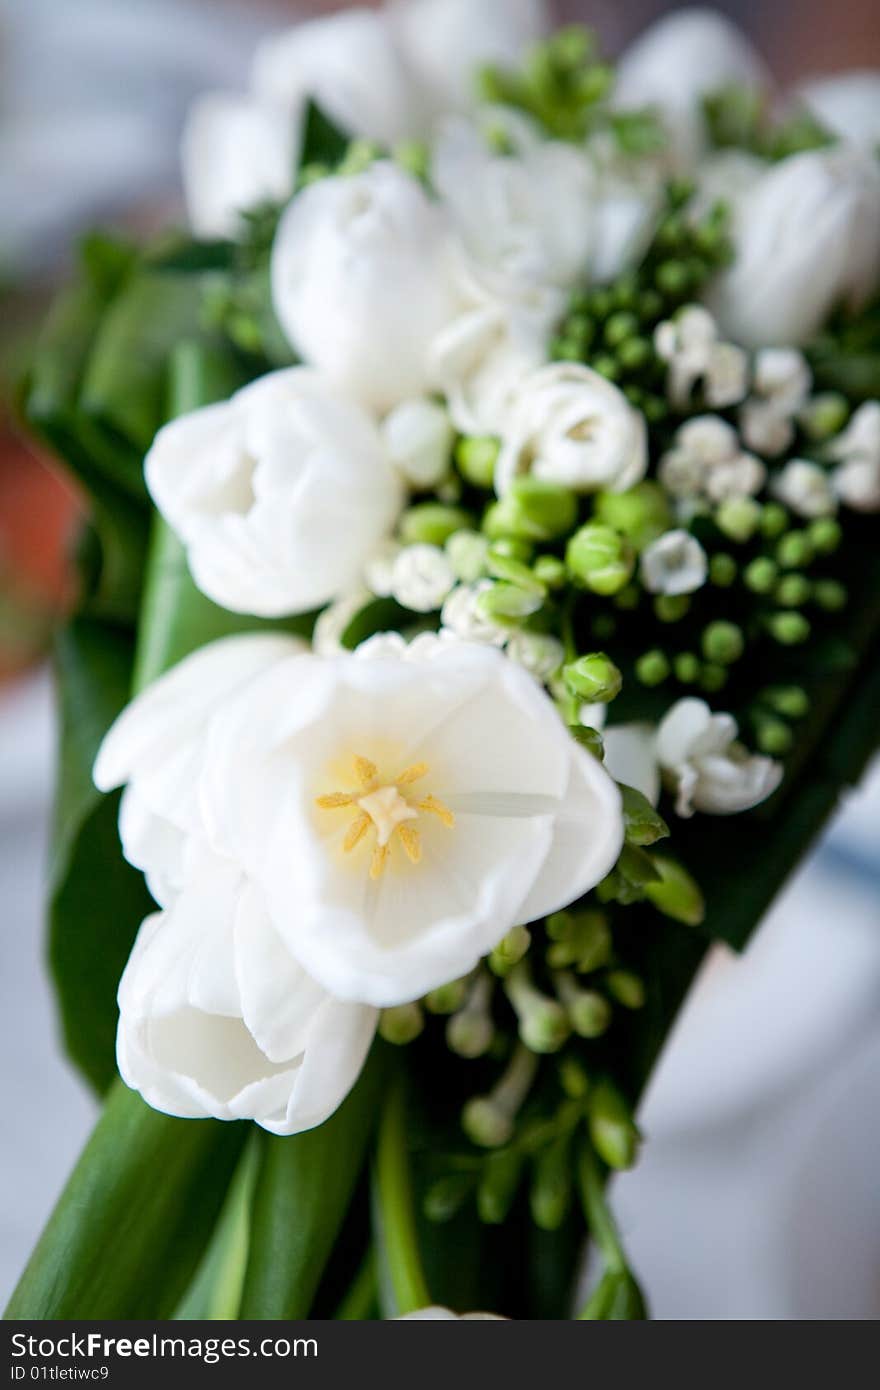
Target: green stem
359	1304
599	1219
395	1208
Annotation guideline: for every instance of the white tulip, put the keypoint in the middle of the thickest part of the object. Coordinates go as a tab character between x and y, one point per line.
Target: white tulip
446	42
351	65
569	425
216	1018
279	494
709	770
438	1314
847	104
421	578
361	282
857	453
402	813
807	238
461	616
675	563
676	63
806	488
418	437
235	153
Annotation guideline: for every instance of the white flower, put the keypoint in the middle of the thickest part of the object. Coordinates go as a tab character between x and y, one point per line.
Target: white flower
675	563
418	437
540	653
235	153
709	770
421	578
350	64
447	41
631	757
806	488
330	627
847	104
568	425
361	282
679	60
461	616
216	1018
807	238
401	814
707	460
437	1314
690	344
782	382
279	494
857	451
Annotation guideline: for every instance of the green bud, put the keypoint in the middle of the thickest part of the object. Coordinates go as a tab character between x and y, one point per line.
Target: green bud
641	514
775	520
793	590
825	533
773	737
486	1123
739	518
550	571
401	1025
628	598
467	552
628	989
431	523
606	366
634	354
650	306
550	1195
612	1128
510	950
447	998
671	608
589	1011
830	595
677	894
795	550
643	825
476	457
508	603
723	642
498	1187
594	678
824	416
652	668
687	668
446	1197
582	940
503	566
533	510
470	1033
760	576
673	279
722	570
713	678
572	1077
600	559
619	327
414	157
789	629
509	548
791	701
588	738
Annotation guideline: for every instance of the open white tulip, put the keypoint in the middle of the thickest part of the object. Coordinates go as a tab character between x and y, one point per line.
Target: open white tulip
279	494
351	65
569	425
217	1018
446	41
361	282
807	238
678	61
236	152
847	104
710	771
401	813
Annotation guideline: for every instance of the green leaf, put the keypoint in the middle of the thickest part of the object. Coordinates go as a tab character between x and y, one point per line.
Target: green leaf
134	1218
304	1187
323	141
215	1292
377	615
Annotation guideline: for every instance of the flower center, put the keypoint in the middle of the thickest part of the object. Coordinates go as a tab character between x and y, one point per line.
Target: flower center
385	807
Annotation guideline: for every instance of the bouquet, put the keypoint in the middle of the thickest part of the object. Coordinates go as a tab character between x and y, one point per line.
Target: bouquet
479	618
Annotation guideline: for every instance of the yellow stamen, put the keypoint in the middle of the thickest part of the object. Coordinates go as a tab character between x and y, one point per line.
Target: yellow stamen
367	773
434	807
411	774
333	800
356	832
377	864
411	841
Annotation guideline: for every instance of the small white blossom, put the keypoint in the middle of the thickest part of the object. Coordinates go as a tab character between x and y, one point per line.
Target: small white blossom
421	578
675	563
418	437
782	383
461	615
706	766
690	344
707	460
539	652
857	453
806	488
379	569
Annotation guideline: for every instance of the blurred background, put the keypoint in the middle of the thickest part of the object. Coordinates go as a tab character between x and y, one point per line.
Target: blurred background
757	1195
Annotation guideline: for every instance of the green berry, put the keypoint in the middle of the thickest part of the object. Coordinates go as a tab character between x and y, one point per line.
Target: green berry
476	456
760	576
774	520
722	570
723	642
687	668
794	550
789	629
830	595
600	559
652	668
825	534
671	608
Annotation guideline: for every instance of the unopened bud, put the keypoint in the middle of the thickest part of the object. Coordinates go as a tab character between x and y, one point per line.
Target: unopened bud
652	668
550	571
830	595
506	567
644	825
476	456
532	510
628	989
824	416
600	559
447	998
722	570
471	1032
789	629
612	1128
671	608
445	1198
723	642
739	518
432	523
760	576
795	550
594	678
775	520
793	591
550	1195
677	894
589	1011
687	668
825	534
498	1185
401	1025
641	514
543	1022
510	950
489	1121
507	603
467	552
791	701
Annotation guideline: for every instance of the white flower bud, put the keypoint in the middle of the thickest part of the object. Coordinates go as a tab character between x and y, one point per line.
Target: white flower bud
418	436
422	578
806	488
674	564
857	451
540	653
461	615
